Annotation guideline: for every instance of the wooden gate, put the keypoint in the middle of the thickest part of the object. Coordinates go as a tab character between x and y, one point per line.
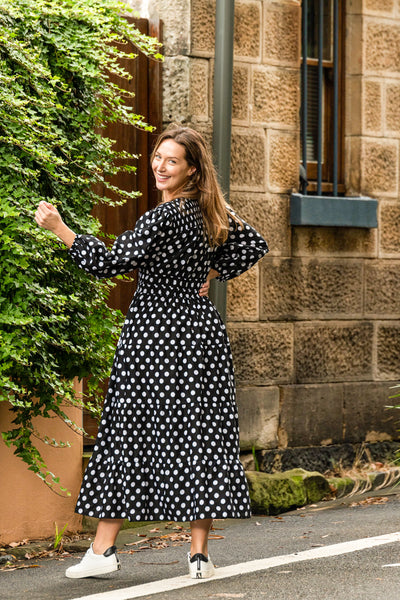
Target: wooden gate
146	84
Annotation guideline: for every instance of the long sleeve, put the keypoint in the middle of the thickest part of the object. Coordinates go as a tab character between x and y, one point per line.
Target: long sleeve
130	250
242	249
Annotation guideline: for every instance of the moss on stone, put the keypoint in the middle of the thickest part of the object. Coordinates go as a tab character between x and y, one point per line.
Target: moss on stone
274	493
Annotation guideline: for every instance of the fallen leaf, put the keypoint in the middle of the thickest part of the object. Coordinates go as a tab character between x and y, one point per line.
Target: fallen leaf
138	542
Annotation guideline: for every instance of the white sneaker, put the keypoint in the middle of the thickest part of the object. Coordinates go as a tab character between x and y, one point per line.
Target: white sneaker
95	564
200	567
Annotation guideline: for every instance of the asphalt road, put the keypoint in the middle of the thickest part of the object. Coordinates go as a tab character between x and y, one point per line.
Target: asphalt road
361	574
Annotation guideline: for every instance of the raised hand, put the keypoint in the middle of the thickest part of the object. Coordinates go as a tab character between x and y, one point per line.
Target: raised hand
48	217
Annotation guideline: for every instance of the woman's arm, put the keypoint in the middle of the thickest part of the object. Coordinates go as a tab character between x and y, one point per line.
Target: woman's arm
48	217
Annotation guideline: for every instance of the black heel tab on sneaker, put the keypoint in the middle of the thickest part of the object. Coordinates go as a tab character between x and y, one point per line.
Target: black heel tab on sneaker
111	550
198	557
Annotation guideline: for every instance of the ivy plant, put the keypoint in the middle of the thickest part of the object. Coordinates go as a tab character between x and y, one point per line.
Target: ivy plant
56	97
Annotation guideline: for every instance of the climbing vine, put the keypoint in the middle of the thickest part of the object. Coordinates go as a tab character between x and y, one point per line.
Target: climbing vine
56	97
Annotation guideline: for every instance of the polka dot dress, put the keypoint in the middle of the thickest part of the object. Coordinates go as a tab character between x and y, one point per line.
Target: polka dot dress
167	446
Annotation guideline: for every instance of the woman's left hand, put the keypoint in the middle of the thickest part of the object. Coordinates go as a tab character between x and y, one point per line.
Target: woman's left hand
204	289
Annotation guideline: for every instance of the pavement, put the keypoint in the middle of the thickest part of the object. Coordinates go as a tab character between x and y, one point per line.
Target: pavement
331	550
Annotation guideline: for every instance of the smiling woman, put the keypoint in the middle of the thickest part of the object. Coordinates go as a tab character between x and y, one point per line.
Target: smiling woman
170	168
168	443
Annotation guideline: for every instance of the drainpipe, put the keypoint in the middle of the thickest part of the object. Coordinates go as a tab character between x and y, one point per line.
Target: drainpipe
223	75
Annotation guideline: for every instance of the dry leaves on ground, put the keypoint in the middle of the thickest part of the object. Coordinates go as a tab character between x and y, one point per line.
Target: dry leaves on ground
177	537
371	500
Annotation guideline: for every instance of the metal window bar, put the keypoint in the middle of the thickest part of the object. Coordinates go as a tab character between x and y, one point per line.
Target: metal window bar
320	93
335	94
304	98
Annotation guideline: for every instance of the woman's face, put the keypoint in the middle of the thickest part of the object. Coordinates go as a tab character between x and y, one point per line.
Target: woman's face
170	168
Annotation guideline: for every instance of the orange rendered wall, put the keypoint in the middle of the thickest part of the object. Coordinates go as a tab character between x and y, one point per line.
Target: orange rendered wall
28	509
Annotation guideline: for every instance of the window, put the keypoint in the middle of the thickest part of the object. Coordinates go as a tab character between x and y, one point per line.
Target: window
322	95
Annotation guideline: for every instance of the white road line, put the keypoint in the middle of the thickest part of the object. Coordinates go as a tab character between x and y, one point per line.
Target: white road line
176	583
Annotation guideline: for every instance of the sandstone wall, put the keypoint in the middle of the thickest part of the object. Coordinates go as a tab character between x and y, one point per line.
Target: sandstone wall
315	327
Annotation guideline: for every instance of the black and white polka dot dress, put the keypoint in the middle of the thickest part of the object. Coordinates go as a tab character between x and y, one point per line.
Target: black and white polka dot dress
167	446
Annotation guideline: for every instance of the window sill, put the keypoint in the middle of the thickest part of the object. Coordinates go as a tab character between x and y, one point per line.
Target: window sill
326	211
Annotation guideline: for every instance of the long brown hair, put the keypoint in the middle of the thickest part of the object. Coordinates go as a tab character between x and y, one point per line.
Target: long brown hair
202	184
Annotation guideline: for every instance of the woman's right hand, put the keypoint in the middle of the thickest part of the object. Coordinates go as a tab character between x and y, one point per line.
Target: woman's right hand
48	217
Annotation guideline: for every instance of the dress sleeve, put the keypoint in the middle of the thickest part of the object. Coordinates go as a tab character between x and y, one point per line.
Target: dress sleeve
130	250
242	249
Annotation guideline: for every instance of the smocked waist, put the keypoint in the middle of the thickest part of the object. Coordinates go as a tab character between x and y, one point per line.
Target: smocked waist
169	287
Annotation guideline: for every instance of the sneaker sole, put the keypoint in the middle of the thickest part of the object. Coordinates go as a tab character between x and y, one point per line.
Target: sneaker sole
93	572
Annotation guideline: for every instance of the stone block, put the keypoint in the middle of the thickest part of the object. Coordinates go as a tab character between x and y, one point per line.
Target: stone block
389	229
311	415
354	7
353	172
353	48
262	354
382	7
247	34
372	107
282	28
276	96
380	167
366	418
248	159
310	289
203	27
388	350
283	161
382	289
243	296
334	241
199	89
176	85
392	109
240	93
353	112
269	213
176	25
382	47
333	351
258	417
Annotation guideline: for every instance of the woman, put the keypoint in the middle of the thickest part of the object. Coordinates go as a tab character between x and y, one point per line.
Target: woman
167	447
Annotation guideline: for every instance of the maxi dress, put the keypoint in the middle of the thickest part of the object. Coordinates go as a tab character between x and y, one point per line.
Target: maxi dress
168	440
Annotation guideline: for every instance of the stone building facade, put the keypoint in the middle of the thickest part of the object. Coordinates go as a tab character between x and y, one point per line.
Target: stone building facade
314	327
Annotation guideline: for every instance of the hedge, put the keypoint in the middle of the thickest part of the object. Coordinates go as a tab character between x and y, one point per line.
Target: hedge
56	97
